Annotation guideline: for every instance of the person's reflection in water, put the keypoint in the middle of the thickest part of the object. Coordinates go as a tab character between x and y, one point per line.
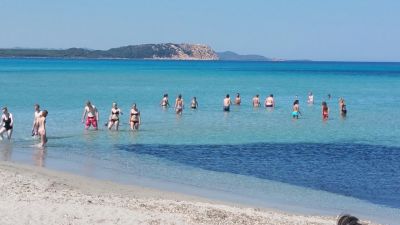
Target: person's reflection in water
6	151
39	157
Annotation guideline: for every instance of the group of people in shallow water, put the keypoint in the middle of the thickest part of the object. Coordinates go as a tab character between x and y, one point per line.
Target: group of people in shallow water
90	116
38	128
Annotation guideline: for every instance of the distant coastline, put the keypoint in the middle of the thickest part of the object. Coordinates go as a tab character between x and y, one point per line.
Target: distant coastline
167	51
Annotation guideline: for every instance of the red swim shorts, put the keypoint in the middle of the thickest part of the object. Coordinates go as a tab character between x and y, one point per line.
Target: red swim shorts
91	121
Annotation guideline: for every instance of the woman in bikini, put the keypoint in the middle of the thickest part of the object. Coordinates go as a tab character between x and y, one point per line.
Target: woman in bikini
164	102
342	107
194	104
92	114
179	104
325	111
114	116
134	119
42	127
296	109
256	101
238	100
7	122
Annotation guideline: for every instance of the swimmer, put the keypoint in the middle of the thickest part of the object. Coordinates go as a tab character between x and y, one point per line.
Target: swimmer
42	127
36	116
92	116
329	96
194	104
310	99
164	102
114	116
238	100
296	109
342	107
325	111
227	103
179	105
134	119
269	101
256	101
7	122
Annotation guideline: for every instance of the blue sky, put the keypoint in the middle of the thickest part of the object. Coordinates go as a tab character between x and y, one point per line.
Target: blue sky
356	30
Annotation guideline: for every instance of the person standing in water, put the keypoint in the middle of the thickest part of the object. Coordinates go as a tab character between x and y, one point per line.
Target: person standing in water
179	105
325	111
92	114
256	100
7	122
310	99
296	109
342	107
164	102
42	127
36	116
238	100
227	103
269	101
194	104
114	116
134	119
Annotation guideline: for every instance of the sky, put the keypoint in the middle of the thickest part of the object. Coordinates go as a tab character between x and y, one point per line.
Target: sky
336	30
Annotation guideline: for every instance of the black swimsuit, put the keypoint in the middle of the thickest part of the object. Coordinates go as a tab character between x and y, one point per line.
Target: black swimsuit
7	123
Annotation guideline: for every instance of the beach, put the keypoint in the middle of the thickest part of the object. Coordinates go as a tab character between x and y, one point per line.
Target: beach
33	195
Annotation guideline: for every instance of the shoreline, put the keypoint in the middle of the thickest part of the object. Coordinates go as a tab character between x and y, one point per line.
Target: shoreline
41	196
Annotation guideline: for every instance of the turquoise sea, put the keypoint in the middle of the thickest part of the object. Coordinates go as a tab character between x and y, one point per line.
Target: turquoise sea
250	155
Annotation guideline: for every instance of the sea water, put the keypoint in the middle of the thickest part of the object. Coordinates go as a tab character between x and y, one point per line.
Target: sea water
256	156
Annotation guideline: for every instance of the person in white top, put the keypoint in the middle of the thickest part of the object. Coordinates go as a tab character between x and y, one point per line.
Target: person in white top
310	98
7	122
92	116
36	116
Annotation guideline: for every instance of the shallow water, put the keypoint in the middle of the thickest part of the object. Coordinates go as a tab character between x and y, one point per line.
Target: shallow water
357	157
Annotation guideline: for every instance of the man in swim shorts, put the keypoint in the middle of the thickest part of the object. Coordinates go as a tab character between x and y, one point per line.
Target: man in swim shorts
92	114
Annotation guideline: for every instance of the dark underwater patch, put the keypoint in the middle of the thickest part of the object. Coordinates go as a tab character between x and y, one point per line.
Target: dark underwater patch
367	172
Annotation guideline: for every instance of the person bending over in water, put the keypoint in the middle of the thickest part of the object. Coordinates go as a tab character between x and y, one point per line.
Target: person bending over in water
310	99
92	114
36	116
256	101
42	127
227	103
194	104
164	102
7	122
325	111
342	107
179	104
238	100
269	102
296	109
114	116
134	119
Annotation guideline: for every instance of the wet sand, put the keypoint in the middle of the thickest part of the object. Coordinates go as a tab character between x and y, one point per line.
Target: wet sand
33	195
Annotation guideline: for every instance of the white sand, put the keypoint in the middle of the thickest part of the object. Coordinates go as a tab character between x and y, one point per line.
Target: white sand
32	195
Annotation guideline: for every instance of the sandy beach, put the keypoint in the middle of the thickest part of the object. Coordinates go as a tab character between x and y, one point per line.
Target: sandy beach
32	195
